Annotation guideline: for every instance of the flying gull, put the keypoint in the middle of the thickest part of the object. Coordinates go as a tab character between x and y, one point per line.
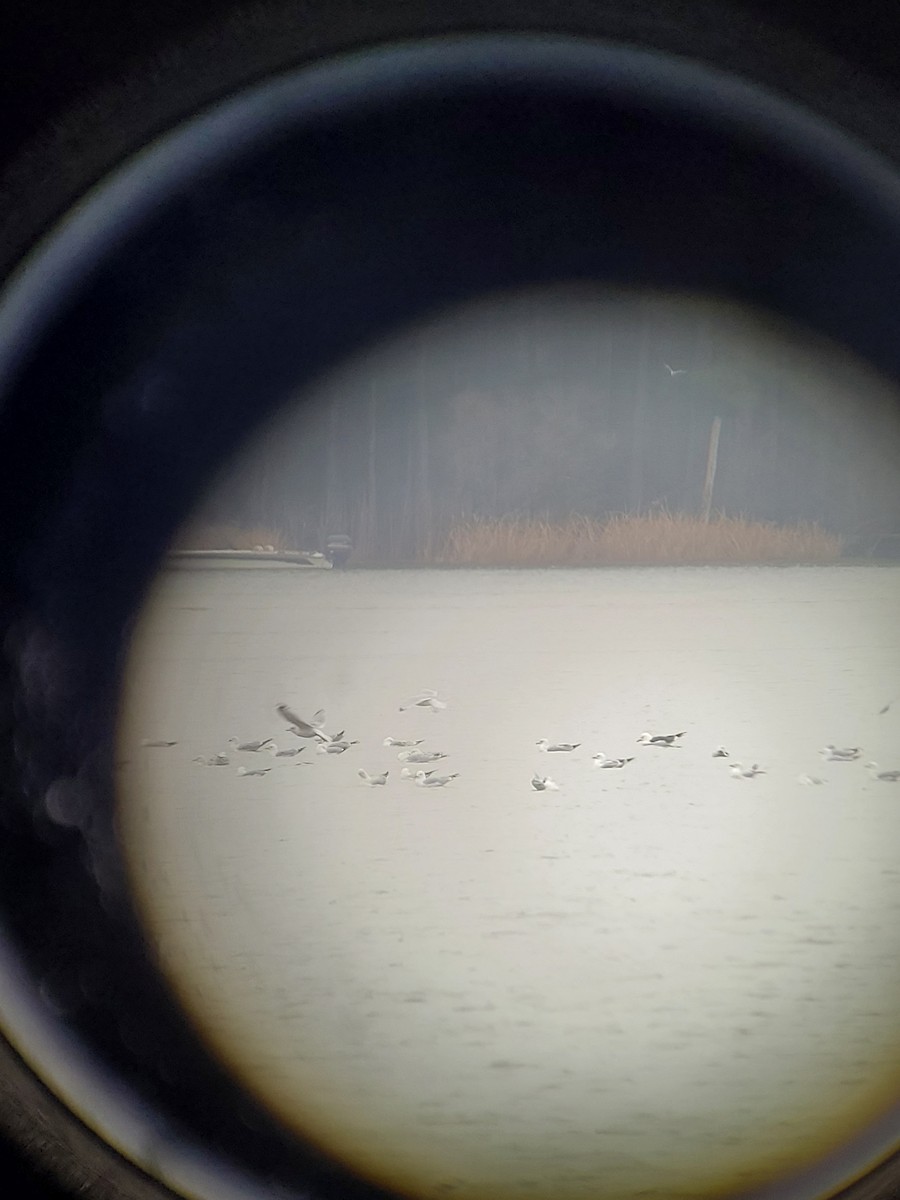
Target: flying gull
675	370
557	747
720	752
661	739
373	780
304	729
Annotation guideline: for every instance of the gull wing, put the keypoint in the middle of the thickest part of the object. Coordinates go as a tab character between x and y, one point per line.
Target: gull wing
299	726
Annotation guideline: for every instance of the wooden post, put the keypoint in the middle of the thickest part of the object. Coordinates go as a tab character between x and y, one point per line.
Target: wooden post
711	460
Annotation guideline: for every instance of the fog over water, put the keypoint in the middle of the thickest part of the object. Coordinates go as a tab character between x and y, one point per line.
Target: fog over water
553	401
656	981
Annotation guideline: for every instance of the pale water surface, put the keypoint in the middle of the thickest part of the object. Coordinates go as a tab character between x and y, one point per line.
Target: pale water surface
659	981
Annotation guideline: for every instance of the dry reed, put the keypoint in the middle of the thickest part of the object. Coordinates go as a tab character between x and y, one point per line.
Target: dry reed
659	537
230	537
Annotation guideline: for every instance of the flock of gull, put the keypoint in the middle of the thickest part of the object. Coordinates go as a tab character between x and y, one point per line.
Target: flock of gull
313	732
414	757
672	741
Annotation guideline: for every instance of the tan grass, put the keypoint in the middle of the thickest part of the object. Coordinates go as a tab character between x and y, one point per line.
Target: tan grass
659	537
230	537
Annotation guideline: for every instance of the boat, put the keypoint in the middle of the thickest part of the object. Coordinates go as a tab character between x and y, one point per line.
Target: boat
263	558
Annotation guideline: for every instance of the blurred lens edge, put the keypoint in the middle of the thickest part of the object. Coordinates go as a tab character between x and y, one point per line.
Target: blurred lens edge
233	60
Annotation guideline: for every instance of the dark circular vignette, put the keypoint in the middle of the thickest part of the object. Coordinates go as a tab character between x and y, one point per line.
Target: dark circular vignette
140	391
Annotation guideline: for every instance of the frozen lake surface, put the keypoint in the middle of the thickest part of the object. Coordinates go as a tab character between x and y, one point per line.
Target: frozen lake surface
655	982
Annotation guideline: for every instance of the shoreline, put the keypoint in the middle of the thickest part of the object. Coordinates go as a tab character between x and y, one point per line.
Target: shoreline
226	560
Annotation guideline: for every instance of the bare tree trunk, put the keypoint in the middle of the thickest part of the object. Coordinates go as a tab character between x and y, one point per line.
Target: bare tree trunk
638	431
712	459
369	535
424	515
331	475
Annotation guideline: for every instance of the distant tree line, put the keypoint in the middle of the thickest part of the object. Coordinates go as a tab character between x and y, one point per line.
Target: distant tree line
549	404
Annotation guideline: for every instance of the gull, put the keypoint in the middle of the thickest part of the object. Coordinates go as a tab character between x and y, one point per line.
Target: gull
720	752
675	370
253	770
739	772
337	747
252	747
373	780
272	749
600	760
304	729
406	773
420	756
884	776
833	754
661	739
217	760
389	741
556	747
425	699
155	745
543	783
429	779
810	780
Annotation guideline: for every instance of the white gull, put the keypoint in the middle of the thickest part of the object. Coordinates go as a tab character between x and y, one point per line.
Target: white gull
429	779
739	772
542	783
406	773
600	760
884	776
250	747
557	747
272	749
373	780
305	729
663	740
336	747
833	754
424	699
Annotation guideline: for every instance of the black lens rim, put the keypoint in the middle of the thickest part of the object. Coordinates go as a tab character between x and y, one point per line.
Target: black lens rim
73	581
